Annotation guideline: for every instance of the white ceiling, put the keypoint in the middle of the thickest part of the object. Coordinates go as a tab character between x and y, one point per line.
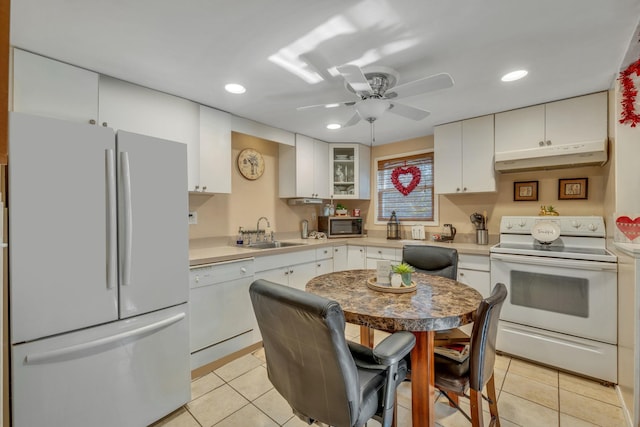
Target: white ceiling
191	48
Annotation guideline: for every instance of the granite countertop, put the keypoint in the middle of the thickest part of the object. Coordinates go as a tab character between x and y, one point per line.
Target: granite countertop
437	304
206	251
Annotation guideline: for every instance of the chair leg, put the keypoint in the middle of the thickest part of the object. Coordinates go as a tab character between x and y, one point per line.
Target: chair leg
475	400
493	401
453	399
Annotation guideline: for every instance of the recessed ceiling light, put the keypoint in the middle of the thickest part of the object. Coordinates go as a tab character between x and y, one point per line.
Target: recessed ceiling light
331	105
514	75
235	88
334	126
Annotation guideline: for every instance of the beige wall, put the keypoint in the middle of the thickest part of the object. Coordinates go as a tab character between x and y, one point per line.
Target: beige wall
221	215
456	209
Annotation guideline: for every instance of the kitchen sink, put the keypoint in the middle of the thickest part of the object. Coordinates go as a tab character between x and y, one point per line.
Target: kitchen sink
271	245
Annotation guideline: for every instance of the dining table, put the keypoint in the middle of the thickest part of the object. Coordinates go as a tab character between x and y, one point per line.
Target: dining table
435	304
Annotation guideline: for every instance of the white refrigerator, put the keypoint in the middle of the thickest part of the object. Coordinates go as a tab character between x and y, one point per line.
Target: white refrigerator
98	265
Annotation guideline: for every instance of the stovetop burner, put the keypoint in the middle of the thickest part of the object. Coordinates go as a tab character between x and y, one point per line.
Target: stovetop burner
580	238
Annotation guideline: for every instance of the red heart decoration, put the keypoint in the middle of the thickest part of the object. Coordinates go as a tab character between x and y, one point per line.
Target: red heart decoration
629	227
415	180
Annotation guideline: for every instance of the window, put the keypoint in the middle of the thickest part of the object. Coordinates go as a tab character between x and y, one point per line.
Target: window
405	185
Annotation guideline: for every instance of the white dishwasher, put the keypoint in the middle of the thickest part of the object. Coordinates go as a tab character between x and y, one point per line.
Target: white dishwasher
221	312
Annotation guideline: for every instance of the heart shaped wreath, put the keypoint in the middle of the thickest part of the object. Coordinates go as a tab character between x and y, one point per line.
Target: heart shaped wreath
415	180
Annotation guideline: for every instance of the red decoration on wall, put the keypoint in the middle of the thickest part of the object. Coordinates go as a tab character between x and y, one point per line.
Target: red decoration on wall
629	227
629	93
415	180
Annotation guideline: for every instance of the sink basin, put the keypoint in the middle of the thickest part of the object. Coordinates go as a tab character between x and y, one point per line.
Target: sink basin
271	245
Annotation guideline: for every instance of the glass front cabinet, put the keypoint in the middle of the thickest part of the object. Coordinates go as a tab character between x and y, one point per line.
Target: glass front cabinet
350	166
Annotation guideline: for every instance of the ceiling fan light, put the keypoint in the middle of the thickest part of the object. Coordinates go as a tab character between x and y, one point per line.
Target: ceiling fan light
372	108
514	75
334	126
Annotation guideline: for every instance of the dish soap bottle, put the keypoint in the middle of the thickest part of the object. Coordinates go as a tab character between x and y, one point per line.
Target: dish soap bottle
240	238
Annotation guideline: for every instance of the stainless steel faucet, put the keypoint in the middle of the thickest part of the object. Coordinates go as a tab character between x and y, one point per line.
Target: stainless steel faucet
258	227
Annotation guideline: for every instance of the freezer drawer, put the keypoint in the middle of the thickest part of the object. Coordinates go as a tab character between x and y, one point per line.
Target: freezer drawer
127	373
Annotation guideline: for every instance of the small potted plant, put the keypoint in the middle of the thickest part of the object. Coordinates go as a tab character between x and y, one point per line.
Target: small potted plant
341	209
404	270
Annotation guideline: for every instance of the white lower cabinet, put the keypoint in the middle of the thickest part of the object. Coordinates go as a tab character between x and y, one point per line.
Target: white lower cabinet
340	258
375	254
474	271
324	260
292	269
356	257
222	318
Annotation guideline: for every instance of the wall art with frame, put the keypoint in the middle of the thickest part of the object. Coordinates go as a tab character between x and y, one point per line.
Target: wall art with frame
573	188
525	191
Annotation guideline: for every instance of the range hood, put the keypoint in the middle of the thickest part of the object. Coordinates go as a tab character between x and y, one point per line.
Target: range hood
553	157
305	201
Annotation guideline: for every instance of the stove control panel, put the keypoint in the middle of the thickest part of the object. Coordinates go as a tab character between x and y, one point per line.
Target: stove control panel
569	225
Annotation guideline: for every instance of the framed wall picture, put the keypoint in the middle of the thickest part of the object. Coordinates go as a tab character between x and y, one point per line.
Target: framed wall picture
525	191
573	188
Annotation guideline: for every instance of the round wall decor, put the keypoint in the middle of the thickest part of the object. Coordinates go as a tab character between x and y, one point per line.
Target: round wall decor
250	163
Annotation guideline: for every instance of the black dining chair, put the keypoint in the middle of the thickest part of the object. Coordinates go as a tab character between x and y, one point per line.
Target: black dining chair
473	374
430	259
322	376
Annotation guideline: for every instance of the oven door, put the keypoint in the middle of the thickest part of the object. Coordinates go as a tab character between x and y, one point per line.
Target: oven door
568	296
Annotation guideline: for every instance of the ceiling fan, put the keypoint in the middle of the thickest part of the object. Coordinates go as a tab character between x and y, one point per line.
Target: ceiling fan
377	90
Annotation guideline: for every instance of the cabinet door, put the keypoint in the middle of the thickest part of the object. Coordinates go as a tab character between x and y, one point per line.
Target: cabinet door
300	274
576	120
448	158
213	165
340	262
304	166
277	275
520	129
478	173
478	280
356	257
324	266
137	109
45	87
321	169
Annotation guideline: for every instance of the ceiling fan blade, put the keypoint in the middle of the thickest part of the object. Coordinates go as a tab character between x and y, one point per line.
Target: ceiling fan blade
318	63
355	77
352	121
424	85
331	105
407	111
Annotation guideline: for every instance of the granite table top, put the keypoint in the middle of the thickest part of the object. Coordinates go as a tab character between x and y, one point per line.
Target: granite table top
437	304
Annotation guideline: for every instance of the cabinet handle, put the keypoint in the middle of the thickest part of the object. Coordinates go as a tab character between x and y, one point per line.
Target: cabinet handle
548	142
291	271
286	273
461	274
464	189
244	270
104	124
204	188
541	143
458	189
197	187
92	122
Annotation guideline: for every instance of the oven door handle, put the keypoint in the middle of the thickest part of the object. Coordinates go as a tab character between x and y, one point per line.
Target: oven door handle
555	262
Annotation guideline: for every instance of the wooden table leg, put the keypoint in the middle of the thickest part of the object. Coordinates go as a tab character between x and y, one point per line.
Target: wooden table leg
422	380
366	336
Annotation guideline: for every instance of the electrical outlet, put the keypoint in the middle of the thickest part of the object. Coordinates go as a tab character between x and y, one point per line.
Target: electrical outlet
313	216
193	217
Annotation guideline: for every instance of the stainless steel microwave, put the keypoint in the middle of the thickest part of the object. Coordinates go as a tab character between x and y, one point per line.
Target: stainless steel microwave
341	226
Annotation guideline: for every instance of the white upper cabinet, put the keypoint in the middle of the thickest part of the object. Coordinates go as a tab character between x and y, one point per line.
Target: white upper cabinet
44	87
573	120
303	169
350	165
210	162
464	157
126	106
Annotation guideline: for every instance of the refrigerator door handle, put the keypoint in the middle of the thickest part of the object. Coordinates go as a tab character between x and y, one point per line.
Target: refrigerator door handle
128	218
112	228
72	351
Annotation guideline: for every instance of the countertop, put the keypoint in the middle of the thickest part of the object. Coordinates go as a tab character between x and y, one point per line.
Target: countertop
206	251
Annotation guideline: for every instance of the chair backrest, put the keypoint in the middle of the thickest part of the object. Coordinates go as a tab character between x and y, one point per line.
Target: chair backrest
483	337
308	359
430	259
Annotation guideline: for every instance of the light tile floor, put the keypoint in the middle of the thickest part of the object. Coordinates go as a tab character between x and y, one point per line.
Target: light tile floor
239	394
